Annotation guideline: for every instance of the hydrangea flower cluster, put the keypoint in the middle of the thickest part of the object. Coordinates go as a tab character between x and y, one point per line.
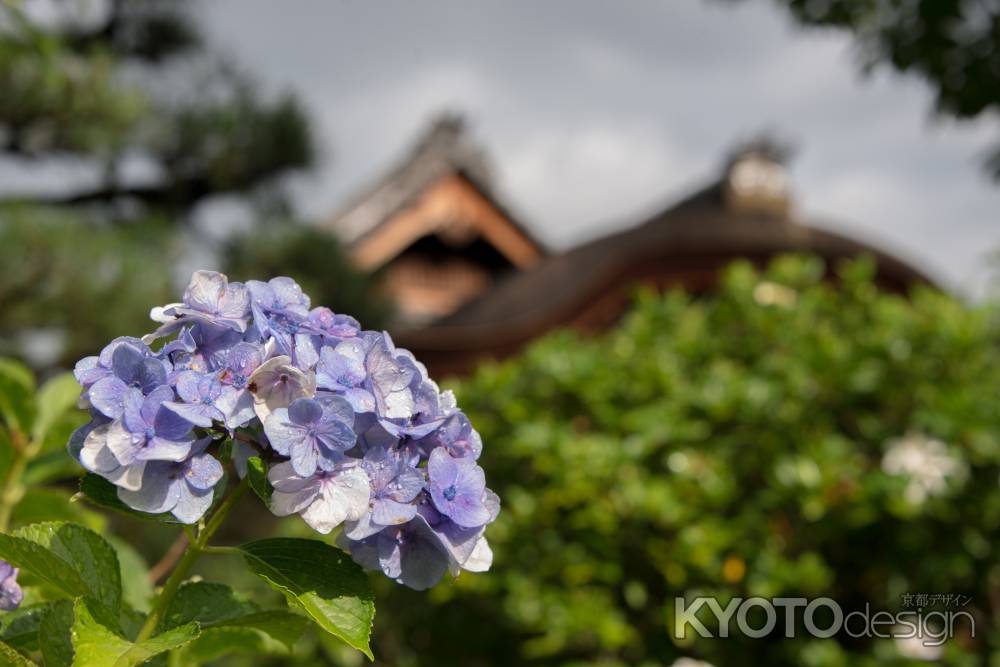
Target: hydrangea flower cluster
10	592
352	428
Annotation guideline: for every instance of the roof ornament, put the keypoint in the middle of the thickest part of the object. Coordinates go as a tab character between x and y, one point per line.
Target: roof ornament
756	180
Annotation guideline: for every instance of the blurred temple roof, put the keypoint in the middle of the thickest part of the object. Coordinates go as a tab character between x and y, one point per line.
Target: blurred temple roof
746	213
433	228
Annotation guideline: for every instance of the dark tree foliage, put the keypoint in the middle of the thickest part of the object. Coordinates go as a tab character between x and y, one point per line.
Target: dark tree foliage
127	93
99	91
953	44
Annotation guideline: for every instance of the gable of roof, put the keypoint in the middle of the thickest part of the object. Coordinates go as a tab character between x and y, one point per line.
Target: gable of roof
444	155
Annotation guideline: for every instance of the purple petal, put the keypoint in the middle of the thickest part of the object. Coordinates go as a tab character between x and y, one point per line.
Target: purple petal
390	513
191	504
442	469
199	414
235	302
158	493
203	472
304	456
407	485
281	432
467	510
205	290
87	372
108	395
170	424
132	412
283	478
188	386
305	411
124	444
335	435
161	449
236	406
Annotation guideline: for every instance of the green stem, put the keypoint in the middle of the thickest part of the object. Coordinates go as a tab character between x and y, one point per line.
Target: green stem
13	491
195	548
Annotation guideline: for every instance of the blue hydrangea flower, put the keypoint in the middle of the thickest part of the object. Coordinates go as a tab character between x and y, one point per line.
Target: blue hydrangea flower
322	320
91	369
325	499
149	430
389	378
183	488
356	430
395	485
457	437
90	442
342	369
466	547
314	434
209	298
199	393
457	487
131	369
410	554
10	592
276	383
237	401
279	295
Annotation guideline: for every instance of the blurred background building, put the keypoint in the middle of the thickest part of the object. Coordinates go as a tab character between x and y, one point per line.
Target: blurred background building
471	281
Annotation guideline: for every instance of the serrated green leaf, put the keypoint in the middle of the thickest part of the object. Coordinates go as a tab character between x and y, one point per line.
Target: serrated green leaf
229	623
263	633
103	493
19	627
11	658
320	580
54	399
17	388
97	645
206	603
257	477
69	557
55	635
45	504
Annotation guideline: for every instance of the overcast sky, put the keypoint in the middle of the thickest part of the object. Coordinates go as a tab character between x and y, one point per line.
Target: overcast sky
597	112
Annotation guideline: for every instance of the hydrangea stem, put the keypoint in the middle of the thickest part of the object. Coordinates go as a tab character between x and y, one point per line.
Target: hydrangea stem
13	491
194	549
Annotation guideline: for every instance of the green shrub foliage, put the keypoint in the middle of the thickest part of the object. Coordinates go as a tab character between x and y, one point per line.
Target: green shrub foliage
787	436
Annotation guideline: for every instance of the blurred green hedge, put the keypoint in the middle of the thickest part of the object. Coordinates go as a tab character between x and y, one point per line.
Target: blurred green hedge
786	436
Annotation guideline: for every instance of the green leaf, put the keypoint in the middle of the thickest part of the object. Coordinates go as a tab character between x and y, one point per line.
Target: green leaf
257	476
68	557
17	388
12	658
103	493
205	603
55	398
19	628
43	504
263	633
55	635
320	580
97	645
229	623
137	590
